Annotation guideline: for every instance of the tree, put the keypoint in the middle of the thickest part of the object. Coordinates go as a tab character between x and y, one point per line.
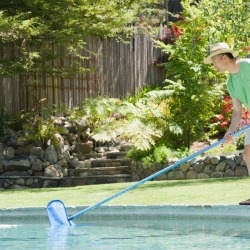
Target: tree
30	27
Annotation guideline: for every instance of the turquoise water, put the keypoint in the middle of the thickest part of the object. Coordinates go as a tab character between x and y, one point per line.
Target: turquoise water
127	233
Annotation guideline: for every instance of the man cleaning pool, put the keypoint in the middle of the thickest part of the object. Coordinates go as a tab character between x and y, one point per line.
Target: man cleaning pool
224	60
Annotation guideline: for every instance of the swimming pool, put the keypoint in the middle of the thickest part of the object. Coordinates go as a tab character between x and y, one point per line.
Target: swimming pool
164	227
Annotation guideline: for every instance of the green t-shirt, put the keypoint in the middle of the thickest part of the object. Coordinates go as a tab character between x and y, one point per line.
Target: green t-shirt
239	84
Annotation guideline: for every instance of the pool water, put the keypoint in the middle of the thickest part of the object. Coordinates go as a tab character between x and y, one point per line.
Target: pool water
127	233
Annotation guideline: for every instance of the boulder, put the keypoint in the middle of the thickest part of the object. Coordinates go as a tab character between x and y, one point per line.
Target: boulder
221	166
215	160
10	153
192	174
37	151
54	171
37	166
217	175
51	154
184	167
241	171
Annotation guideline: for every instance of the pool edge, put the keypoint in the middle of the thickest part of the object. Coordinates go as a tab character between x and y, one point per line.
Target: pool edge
154	211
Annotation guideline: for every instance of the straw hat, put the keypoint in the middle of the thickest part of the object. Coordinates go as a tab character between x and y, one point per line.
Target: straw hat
219	48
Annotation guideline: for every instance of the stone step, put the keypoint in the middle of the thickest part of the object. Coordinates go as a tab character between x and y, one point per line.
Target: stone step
17	182
92	180
116	155
100	163
101	171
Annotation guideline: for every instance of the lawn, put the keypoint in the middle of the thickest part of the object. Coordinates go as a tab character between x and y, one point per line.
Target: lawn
185	192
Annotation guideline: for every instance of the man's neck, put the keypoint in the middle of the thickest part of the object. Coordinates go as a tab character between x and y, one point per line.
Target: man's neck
233	67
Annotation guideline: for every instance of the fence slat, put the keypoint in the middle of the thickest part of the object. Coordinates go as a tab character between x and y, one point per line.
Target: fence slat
117	69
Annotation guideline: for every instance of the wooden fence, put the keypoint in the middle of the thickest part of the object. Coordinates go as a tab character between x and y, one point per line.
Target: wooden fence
117	69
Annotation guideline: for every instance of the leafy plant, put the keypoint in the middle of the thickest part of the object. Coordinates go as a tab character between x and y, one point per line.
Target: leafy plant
224	149
197	88
220	123
39	126
143	122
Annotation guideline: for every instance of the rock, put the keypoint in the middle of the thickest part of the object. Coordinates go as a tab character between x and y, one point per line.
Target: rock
72	137
70	126
198	167
84	148
203	176
37	151
240	161
49	183
221	166
231	162
207	160
184	167
191	174
37	165
229	173
59	139
217	175
29	182
10	153
208	169
215	160
35	185
63	152
20	182
15	186
24	149
63	163
53	171
241	171
179	175
51	154
19	165
65	172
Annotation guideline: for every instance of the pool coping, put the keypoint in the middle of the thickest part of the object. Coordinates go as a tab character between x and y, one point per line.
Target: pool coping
235	212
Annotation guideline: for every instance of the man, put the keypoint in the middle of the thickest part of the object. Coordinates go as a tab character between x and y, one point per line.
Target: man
238	83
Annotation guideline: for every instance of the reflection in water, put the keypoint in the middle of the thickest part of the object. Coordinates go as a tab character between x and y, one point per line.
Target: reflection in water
57	237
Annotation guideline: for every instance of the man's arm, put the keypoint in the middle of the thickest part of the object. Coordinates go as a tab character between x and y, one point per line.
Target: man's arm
235	119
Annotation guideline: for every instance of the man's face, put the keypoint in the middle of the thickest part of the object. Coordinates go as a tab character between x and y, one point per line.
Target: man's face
220	63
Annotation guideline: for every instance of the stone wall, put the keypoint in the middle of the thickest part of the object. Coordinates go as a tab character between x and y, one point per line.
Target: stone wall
30	165
197	168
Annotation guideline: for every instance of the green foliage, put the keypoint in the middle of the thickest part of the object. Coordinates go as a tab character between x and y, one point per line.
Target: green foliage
197	88
240	142
11	120
39	125
144	122
224	149
160	154
42	131
29	30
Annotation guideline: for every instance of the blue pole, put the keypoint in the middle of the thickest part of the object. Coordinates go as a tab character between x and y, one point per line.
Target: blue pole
165	170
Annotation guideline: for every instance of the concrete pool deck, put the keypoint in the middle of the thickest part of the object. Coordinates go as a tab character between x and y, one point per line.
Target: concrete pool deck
233	212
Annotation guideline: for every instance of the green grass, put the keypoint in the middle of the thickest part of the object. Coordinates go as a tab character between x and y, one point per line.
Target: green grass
186	192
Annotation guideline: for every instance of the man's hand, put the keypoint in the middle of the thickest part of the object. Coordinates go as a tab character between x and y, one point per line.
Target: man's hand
228	136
